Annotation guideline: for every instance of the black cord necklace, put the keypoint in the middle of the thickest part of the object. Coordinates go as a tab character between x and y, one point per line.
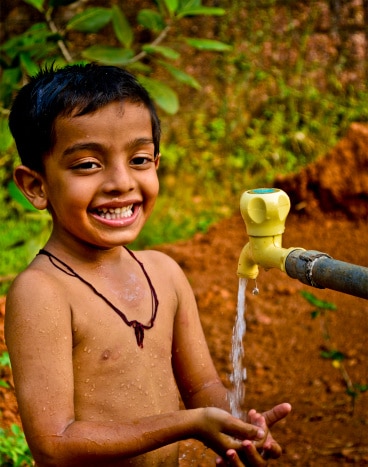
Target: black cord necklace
136	325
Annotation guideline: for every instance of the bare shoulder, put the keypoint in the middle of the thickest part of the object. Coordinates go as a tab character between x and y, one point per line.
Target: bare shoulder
166	269
35	279
160	261
33	290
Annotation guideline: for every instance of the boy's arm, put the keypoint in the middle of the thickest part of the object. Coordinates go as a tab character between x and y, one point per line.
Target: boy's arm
198	380
39	339
196	375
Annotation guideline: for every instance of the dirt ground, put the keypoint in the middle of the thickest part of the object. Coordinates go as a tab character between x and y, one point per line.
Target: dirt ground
283	343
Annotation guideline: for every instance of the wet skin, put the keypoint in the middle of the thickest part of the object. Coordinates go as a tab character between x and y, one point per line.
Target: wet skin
87	394
102	161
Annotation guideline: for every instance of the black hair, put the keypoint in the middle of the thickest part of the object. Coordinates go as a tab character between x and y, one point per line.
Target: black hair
72	90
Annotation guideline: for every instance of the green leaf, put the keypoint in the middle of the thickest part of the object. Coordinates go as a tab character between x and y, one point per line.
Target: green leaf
201	10
122	28
38	4
5	359
34	39
108	54
61	2
165	97
8	82
6	139
90	20
180	75
313	300
172	5
361	387
333	355
184	4
28	64
166	52
208	44
151	20
18	196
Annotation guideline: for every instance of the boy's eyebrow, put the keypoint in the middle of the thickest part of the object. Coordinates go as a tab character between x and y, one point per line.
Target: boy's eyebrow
91	146
82	147
139	142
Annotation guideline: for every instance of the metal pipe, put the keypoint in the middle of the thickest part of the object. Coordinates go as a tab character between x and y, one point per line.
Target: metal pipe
264	211
321	271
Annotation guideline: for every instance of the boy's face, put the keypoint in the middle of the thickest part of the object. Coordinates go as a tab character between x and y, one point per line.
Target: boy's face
100	178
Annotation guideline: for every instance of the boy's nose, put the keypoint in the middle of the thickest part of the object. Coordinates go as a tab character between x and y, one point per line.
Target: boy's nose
119	179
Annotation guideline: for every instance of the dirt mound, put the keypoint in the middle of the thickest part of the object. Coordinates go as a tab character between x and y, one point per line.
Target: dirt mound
336	182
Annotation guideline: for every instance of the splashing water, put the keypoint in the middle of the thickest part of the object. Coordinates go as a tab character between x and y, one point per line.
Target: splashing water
238	376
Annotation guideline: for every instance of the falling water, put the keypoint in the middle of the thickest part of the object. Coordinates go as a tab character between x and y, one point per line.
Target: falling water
238	375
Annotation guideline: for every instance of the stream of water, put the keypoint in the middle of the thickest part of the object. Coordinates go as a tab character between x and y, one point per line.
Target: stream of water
239	374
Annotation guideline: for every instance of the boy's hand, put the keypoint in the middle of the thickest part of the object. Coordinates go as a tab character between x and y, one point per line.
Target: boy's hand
222	432
247	456
271	449
256	453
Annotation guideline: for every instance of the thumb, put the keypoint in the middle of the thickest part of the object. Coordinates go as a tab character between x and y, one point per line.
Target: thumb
277	413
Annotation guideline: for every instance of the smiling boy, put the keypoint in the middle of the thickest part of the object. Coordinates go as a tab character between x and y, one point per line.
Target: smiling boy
103	340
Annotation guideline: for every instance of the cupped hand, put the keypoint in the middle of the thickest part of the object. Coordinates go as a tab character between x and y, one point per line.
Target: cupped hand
271	449
222	432
256	453
247	455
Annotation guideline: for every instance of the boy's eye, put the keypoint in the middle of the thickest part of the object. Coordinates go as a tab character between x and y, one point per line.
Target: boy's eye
141	160
87	165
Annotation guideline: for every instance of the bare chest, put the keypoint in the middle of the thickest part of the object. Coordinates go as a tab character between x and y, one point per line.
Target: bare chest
113	374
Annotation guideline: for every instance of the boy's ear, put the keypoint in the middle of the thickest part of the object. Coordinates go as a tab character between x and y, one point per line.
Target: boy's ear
30	184
157	161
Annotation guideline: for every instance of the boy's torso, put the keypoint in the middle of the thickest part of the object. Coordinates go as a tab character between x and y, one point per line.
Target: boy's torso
115	379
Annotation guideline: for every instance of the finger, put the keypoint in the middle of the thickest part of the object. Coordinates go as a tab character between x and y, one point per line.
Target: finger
271	450
259	420
250	456
240	430
276	413
220	462
250	415
232	459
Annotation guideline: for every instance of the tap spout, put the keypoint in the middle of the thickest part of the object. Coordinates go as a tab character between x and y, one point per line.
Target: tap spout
266	252
264	211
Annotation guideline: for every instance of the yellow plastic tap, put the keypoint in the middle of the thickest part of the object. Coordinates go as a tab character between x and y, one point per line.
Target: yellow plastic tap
264	211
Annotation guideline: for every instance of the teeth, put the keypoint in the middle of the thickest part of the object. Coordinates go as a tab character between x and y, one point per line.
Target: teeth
116	213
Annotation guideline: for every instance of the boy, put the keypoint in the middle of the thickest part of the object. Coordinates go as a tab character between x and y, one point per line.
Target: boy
102	339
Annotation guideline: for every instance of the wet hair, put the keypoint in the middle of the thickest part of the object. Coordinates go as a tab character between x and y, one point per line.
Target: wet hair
70	91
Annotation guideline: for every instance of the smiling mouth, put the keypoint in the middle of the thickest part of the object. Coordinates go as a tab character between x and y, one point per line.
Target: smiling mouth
116	213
